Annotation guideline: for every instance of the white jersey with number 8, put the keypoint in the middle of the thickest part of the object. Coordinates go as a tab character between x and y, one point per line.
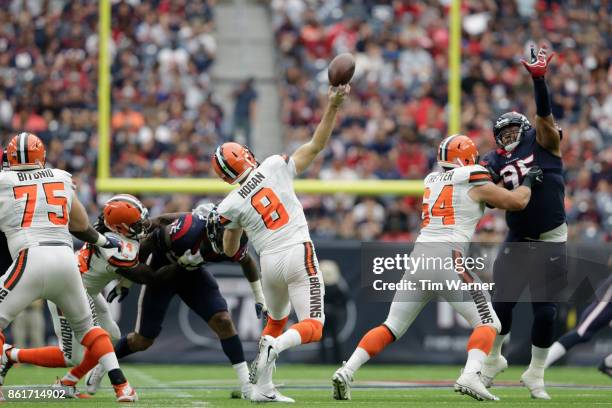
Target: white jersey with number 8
35	207
266	206
449	213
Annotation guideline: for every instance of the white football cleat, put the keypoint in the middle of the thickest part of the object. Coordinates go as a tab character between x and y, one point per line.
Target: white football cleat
5	362
94	378
535	384
266	356
470	384
245	391
268	394
491	367
341	383
70	389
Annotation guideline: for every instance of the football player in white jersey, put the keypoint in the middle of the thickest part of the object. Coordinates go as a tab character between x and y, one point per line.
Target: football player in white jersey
123	218
266	207
453	203
39	210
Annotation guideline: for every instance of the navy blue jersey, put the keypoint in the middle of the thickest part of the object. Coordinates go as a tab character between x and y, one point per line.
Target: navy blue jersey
545	210
188	232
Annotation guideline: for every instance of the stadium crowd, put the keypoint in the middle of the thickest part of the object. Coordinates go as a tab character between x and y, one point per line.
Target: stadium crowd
165	121
396	116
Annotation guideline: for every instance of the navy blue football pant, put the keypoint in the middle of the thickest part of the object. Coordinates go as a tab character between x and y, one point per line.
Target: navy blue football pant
197	288
540	268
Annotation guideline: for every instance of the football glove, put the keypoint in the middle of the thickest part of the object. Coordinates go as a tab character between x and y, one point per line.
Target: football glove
119	292
261	310
190	260
539	63
534	176
495	177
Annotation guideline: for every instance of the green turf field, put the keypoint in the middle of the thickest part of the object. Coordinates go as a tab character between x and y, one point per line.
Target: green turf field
405	386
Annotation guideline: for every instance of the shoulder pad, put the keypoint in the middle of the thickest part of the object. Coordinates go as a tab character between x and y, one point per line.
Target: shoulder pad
186	232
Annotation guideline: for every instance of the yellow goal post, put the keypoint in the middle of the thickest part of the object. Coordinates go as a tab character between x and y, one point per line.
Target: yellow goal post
106	183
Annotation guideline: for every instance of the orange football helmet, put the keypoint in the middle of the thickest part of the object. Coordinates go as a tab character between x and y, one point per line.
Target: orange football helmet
457	151
125	215
233	162
26	151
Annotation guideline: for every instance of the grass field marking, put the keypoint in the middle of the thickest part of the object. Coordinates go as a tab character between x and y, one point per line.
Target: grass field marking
148	378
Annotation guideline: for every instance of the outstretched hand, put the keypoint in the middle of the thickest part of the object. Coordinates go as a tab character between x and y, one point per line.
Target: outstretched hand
337	94
539	63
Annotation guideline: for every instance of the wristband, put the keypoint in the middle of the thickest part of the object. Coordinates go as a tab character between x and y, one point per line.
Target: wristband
257	291
542	98
101	241
527	181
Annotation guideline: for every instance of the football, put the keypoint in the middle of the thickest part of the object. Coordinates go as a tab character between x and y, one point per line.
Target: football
341	69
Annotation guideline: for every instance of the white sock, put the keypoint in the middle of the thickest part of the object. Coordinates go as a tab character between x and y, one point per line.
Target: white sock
358	358
69	377
242	370
109	361
474	360
14	355
608	360
555	353
497	345
288	339
538	360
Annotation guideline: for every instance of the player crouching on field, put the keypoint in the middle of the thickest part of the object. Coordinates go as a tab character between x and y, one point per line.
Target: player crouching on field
123	218
39	210
453	203
266	207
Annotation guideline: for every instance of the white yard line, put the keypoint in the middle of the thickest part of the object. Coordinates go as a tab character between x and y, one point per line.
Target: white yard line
152	381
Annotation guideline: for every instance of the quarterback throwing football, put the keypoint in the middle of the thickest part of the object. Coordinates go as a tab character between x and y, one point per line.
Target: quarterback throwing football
266	207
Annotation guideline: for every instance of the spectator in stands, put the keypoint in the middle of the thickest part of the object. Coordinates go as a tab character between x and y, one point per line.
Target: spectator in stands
166	119
390	129
245	102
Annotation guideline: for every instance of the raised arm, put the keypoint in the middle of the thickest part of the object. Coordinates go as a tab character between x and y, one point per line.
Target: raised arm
547	133
306	153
